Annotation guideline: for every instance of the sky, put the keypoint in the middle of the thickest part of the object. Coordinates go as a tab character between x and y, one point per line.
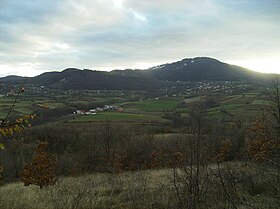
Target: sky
37	36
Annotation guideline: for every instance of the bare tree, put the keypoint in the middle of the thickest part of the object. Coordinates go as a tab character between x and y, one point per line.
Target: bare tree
8	128
191	178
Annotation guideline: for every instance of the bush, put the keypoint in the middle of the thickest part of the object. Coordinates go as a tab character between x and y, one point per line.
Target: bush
41	170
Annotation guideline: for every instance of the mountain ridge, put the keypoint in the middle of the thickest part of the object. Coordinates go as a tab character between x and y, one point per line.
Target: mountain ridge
185	70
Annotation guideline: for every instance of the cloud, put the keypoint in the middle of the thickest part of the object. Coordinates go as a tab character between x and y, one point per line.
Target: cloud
138	16
40	35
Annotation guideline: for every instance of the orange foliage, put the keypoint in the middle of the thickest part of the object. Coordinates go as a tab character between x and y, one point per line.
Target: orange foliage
155	158
8	129
41	170
118	162
260	139
177	159
224	151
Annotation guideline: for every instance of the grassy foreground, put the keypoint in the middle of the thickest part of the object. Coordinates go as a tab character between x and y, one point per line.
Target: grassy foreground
127	190
147	189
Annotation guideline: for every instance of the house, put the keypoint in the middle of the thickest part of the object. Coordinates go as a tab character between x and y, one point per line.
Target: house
99	109
80	112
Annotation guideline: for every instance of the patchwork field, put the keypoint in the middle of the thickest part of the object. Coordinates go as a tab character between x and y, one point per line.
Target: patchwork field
261	102
238	105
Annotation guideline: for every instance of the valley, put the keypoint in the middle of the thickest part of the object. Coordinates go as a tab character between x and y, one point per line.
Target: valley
139	104
114	145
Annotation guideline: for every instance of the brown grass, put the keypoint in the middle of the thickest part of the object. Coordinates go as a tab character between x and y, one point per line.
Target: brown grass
147	189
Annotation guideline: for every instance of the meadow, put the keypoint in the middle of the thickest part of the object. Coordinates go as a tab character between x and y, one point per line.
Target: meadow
144	189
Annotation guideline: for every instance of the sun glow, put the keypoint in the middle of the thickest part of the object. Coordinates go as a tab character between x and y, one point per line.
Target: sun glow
25	69
118	3
264	65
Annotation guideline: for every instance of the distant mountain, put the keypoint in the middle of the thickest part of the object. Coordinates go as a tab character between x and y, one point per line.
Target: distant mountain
12	79
192	69
204	69
72	78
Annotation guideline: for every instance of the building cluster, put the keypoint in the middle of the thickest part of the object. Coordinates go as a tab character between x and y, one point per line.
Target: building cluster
99	109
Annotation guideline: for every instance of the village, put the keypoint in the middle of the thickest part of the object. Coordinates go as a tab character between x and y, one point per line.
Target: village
99	109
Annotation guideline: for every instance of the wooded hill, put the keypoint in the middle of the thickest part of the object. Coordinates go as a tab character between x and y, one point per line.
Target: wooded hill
186	70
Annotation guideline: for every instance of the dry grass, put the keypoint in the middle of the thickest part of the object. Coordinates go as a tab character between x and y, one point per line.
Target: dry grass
128	190
148	189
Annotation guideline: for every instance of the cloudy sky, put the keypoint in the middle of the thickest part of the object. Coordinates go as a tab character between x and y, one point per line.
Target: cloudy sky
47	35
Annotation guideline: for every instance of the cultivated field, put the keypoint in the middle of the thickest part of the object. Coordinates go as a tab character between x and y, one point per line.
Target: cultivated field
239	106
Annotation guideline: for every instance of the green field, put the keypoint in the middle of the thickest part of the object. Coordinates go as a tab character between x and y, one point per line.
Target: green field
261	102
24	110
21	107
193	99
117	116
231	98
2	114
227	107
160	105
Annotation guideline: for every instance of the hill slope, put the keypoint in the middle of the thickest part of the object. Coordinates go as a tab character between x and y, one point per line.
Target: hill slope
204	69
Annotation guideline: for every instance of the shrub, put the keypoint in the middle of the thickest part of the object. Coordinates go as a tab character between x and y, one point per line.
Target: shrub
41	170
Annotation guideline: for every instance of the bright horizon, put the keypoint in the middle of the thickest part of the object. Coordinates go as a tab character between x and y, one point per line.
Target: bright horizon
26	71
40	36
